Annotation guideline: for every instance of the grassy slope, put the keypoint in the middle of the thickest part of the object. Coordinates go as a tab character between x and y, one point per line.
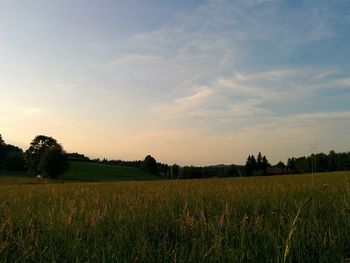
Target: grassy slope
82	171
212	220
86	171
9	177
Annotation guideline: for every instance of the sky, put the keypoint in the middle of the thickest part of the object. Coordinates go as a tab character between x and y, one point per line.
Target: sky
189	82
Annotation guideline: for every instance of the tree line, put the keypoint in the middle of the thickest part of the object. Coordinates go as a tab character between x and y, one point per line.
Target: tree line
256	166
319	162
11	157
46	157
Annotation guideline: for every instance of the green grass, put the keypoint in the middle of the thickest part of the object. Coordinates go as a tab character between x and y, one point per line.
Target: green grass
211	220
84	172
15	177
88	171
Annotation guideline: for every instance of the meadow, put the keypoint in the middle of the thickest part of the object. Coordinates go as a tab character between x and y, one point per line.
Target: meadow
295	218
93	172
82	172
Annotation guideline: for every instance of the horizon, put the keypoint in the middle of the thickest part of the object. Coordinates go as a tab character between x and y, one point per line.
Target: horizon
191	82
101	158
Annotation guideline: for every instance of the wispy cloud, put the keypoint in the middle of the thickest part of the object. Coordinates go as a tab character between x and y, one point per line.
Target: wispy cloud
135	58
33	111
249	98
182	106
342	82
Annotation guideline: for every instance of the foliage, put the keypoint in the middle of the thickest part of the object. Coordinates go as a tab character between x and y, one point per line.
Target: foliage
281	165
188	172
256	167
53	163
173	171
14	160
2	142
77	157
214	220
150	165
230	171
11	157
320	162
36	151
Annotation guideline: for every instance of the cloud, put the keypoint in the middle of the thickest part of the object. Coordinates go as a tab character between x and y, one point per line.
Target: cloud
135	58
345	82
251	99
33	111
182	106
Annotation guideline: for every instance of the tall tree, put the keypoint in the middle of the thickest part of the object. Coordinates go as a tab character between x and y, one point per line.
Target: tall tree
259	162
36	151
250	166
150	165
12	158
281	165
253	165
2	142
175	169
332	161
265	163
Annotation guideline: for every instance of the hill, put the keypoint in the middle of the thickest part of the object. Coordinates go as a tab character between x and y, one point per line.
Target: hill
90	171
84	172
16	177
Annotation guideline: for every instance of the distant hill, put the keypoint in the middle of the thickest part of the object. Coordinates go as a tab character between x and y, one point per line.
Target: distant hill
90	171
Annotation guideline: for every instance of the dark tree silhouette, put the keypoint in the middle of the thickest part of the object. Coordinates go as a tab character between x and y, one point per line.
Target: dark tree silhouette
256	166
230	171
36	151
11	157
259	162
250	166
281	165
53	162
150	165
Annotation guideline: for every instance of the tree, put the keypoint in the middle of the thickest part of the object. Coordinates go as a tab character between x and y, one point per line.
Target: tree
291	164
11	157
53	162
281	165
250	166
230	170
259	162
175	169
14	160
150	165
264	164
256	167
36	151
332	161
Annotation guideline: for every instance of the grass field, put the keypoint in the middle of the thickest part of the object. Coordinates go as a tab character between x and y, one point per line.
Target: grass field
263	219
9	177
88	171
82	172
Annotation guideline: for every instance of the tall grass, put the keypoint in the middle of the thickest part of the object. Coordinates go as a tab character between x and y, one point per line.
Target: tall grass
214	220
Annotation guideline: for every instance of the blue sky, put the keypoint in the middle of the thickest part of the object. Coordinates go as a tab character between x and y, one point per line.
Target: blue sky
190	82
